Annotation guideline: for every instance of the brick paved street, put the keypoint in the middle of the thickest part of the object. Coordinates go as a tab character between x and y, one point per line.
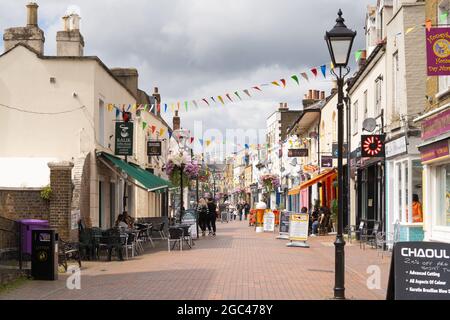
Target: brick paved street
237	264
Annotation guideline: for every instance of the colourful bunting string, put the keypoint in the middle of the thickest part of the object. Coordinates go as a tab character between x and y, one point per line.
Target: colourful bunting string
228	96
220	99
283	81
275	83
295	78
314	71
212	98
206	101
237	94
256	88
305	76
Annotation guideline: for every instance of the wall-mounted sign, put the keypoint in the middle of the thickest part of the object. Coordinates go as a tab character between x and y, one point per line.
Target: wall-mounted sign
396	147
326	162
436	126
419	271
124	139
297	152
435	151
372	145
334	150
153	148
438	51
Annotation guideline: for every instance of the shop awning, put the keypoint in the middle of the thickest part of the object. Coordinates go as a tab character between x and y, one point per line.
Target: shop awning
145	178
294	191
330	174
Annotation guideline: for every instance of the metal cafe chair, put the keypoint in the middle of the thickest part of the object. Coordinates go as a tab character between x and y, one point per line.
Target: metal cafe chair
176	235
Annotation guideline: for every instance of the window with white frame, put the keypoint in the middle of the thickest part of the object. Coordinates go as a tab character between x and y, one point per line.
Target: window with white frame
355	117
443	20
407	191
443	203
378	85
395	79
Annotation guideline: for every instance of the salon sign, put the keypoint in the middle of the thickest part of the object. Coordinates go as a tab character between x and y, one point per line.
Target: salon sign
438	51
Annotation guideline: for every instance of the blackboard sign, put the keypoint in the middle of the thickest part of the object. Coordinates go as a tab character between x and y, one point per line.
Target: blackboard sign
153	148
284	221
124	139
190	218
297	152
420	271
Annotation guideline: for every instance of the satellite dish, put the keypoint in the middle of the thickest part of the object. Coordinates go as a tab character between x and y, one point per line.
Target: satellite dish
294	162
369	124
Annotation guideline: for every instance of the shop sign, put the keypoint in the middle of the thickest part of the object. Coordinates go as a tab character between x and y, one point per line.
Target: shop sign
124	139
269	221
438	51
334	150
326	162
190	219
396	147
298	227
153	148
419	271
436	126
372	145
297	152
435	151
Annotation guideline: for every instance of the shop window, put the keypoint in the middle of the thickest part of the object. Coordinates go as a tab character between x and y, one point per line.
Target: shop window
443	216
417	194
444	21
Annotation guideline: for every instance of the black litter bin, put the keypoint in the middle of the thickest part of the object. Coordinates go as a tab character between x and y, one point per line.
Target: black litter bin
44	255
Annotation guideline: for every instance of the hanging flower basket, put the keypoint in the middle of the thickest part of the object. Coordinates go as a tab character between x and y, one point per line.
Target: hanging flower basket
270	182
189	169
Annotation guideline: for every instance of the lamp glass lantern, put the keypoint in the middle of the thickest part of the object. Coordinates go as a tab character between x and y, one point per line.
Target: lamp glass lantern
340	41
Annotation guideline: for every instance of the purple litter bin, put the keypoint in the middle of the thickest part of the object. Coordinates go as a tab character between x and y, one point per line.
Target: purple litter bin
27	226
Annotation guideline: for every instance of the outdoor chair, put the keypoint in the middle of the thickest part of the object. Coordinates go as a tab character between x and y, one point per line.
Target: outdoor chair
324	225
361	233
176	237
159	228
86	244
130	244
110	240
381	242
350	230
66	251
371	236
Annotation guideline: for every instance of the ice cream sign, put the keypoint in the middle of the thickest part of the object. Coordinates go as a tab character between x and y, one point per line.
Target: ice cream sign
438	51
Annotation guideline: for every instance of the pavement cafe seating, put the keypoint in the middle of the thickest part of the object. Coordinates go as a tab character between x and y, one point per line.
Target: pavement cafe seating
66	251
179	234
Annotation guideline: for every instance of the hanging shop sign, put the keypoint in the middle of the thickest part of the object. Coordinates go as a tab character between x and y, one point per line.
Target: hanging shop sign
372	146
438	51
334	150
396	147
326	162
153	148
435	151
436	126
419	271
124	139
297	152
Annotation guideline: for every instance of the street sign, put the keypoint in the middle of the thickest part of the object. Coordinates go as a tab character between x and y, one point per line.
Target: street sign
326	162
297	152
269	221
153	148
372	145
419	271
124	139
334	150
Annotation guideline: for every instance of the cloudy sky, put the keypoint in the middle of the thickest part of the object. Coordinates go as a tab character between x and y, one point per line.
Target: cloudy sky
194	49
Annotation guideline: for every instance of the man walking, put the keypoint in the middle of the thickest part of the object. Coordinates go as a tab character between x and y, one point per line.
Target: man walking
212	208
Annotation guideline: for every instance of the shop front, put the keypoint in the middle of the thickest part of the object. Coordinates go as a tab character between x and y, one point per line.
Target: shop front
404	189
435	157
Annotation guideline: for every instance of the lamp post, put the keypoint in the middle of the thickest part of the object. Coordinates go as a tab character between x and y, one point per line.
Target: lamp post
339	41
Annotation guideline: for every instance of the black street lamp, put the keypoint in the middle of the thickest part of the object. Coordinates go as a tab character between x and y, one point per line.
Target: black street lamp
339	41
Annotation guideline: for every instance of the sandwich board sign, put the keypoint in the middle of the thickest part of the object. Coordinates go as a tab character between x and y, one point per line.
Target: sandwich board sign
191	219
298	230
284	225
419	271
269	221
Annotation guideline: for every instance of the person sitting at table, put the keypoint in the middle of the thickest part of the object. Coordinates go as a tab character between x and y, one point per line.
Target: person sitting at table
315	222
128	219
121	223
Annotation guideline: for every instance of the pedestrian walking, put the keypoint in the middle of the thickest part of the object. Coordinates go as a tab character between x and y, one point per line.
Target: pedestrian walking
212	208
202	211
246	209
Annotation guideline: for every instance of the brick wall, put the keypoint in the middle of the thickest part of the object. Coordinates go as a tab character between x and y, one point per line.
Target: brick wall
23	203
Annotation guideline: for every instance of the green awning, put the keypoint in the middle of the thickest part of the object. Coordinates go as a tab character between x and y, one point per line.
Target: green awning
147	179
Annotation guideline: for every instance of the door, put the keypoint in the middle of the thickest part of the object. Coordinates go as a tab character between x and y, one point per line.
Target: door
100	205
112	204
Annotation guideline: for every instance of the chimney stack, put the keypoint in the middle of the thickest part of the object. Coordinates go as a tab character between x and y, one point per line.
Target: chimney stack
70	42
176	121
362	59
157	97
29	35
322	95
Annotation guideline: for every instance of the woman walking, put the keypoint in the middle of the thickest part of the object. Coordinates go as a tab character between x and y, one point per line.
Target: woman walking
202	211
212	208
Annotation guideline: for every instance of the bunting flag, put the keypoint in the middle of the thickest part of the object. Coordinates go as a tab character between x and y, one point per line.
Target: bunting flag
314	71
428	25
275	83
165	107
220	99
144	124
158	108
304	75
212	98
256	88
201	141
358	55
246	146
443	17
206	101
161	132
229	98
237	94
246	92
151	108
170	134
295	78
195	103
109	107
134	107
331	65
409	30
153	129
192	139
178	105
186	105
129	107
323	68
117	113
283	81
